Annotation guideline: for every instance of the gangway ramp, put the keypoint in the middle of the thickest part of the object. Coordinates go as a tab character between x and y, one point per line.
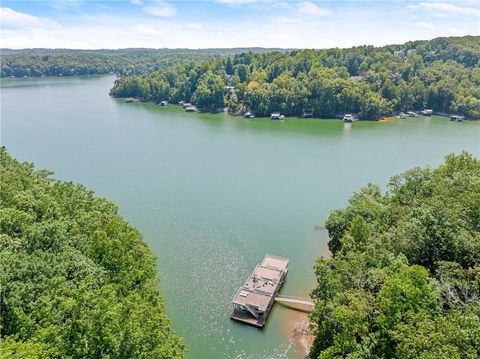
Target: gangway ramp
302	304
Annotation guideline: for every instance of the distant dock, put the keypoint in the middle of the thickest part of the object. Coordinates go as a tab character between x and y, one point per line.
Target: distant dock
253	301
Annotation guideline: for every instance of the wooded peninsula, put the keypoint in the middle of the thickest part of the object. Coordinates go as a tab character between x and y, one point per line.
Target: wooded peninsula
404	277
77	281
442	74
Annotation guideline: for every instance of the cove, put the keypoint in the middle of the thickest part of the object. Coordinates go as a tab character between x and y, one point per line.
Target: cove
212	194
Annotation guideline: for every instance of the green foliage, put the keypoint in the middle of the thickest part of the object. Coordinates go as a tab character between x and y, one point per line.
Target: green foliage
125	62
77	281
209	92
442	74
404	277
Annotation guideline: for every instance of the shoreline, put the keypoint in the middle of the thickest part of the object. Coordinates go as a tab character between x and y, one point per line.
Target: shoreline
296	325
383	119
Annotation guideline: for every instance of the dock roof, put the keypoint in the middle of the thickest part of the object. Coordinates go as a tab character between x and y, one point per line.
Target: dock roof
275	262
262	284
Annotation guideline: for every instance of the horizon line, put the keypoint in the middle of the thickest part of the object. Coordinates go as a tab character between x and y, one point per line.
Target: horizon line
226	48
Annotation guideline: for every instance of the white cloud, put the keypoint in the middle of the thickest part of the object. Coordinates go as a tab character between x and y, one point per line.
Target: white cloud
147	30
286	20
445	9
156	8
238	2
14	19
256	4
424	25
309	8
112	30
160	10
194	26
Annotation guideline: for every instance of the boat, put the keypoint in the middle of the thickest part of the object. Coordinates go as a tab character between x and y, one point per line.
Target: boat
187	104
248	115
181	103
427	112
402	115
348	118
457	118
131	99
277	116
307	115
163	103
411	114
190	109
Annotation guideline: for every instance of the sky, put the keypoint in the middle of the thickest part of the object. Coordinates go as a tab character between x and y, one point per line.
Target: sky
111	24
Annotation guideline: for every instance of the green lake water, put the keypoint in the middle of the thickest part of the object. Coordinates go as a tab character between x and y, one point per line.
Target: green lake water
212	194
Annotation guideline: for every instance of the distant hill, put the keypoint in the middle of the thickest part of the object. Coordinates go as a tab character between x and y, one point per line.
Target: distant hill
125	62
138	51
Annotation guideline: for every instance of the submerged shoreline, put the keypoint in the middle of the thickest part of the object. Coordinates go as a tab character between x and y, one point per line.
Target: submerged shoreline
296	325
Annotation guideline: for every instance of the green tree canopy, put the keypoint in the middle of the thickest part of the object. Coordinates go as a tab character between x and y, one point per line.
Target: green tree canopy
404	277
77	281
442	74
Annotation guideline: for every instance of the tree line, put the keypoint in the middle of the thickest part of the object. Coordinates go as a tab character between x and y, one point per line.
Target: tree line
403	280
441	74
86	64
124	62
77	281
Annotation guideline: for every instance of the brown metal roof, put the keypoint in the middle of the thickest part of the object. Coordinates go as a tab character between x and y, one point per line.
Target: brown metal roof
260	286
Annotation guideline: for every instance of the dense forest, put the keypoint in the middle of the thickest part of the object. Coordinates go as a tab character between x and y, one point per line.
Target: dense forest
441	74
77	281
404	277
125	62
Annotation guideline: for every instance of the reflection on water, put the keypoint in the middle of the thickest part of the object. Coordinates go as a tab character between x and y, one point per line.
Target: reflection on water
347	127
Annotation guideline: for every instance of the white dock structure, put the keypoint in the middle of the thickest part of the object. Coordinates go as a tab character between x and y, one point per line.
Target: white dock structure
253	301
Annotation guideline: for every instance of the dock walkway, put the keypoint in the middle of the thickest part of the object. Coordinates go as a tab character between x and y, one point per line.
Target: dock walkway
302	304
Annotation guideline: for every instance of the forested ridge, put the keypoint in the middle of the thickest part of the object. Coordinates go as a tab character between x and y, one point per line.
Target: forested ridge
441	74
77	281
87	64
404	277
125	62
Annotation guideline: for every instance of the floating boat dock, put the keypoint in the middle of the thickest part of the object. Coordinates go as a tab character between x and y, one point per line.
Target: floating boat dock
253	301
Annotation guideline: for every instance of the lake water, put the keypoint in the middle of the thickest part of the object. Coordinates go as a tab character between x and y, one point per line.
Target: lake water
212	194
